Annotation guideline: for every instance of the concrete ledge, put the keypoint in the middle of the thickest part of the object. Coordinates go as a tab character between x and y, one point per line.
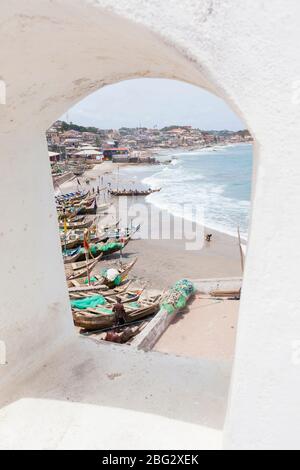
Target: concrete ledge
206	286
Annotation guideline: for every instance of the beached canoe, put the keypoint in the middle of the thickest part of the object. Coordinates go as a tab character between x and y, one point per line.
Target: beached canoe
88	209
104	317
77	203
80	269
71	197
71	256
72	240
125	295
107	248
71	225
101	280
68	213
134	192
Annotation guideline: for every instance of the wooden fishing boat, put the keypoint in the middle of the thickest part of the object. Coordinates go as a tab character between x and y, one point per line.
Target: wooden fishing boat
88	209
80	269
101	247
77	218
84	290
100	280
71	256
126	295
119	234
74	240
71	197
69	213
77	225
134	192
86	202
80	206
104	317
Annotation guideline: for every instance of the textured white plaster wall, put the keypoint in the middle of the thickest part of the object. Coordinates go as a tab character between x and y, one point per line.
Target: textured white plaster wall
56	52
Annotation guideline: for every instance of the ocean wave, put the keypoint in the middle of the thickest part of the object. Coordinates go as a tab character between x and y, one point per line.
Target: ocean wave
217	213
216	186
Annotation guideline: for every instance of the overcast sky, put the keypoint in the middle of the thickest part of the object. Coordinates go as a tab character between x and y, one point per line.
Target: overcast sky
151	102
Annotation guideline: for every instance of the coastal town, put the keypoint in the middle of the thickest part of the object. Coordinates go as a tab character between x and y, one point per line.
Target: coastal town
78	144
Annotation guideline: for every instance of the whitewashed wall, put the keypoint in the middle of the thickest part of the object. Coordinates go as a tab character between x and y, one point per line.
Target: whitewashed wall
54	53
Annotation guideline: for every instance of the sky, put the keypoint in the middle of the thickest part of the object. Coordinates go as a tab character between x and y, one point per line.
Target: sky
150	102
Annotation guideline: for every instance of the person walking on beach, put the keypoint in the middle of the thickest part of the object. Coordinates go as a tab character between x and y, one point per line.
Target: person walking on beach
119	311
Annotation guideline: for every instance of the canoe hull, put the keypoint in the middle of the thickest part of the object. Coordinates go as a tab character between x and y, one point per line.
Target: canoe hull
89	321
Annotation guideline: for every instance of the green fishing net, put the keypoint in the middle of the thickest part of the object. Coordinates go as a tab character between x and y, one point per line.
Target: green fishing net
134	304
168	307
116	282
95	249
110	246
92	279
106	311
88	302
178	295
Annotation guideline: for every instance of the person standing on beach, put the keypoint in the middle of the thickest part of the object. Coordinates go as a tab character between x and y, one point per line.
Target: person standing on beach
119	311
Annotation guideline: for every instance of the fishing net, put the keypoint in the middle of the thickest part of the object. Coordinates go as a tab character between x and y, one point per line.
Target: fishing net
178	295
88	302
104	310
134	304
112	275
92	280
117	281
110	246
94	250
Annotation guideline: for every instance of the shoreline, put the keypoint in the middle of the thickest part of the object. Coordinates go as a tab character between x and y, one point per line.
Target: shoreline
109	168
207	226
206	328
163	261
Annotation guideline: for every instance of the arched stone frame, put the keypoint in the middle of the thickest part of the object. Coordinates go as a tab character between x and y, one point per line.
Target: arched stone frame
213	45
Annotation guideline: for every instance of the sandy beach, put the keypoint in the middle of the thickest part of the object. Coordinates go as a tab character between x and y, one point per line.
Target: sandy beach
207	327
162	262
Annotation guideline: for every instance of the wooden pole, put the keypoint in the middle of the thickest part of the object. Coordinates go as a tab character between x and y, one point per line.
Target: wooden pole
87	256
241	250
121	254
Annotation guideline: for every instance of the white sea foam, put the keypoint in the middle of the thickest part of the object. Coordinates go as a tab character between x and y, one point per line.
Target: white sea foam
213	179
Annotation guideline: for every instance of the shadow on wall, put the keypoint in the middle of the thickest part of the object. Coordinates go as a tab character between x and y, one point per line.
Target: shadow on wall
115	376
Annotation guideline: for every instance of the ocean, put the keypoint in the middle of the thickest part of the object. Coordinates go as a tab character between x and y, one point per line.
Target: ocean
217	181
